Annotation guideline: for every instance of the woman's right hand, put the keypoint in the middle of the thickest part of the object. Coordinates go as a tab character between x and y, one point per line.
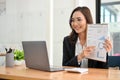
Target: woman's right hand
86	52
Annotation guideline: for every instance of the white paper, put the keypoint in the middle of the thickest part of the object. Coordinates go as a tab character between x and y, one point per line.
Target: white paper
79	70
96	36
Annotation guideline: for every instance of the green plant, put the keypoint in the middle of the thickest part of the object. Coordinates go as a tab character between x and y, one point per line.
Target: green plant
18	55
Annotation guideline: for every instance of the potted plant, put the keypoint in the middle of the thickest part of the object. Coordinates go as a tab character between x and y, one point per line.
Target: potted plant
18	57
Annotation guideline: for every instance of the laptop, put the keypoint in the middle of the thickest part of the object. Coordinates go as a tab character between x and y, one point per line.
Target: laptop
114	61
36	56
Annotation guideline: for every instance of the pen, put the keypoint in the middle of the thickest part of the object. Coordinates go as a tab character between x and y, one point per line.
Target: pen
8	51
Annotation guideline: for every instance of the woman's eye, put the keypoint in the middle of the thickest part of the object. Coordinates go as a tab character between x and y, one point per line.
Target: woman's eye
79	19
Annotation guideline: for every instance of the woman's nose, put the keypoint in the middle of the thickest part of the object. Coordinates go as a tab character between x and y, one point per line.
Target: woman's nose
75	23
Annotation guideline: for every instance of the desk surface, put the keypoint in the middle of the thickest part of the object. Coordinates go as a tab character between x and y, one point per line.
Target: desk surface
22	73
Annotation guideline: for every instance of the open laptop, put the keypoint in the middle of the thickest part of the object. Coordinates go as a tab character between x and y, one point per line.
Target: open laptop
36	56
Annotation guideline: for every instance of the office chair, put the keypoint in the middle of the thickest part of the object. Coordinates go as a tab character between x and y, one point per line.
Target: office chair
114	61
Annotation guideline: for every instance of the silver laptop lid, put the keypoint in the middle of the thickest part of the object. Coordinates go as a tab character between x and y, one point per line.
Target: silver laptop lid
36	56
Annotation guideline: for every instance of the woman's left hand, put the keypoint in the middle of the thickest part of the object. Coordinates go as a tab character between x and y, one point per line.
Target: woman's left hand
108	45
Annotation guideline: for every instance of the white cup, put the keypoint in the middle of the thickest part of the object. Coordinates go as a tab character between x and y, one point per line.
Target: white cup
9	60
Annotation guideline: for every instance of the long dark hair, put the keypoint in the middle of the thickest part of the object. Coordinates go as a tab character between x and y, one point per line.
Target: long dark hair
87	14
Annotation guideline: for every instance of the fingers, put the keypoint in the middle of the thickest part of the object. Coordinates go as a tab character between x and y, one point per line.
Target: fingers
88	50
108	45
108	42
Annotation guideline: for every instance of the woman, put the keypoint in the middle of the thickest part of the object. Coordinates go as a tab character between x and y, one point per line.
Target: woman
75	50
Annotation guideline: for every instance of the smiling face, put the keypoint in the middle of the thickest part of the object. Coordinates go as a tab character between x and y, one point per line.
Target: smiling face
78	22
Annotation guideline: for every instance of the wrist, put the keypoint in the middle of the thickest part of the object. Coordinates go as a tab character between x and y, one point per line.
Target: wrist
80	56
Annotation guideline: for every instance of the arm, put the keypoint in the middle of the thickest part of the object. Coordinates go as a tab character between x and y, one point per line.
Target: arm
69	58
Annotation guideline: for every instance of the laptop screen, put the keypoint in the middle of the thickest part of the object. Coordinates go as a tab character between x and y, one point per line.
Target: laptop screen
36	55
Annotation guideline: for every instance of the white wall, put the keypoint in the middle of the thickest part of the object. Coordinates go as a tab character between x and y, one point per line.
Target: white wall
62	11
90	4
25	20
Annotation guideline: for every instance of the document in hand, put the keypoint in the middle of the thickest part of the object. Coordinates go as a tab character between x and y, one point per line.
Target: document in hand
78	70
96	36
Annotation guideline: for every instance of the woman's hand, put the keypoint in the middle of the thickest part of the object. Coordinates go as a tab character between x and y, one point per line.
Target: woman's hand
108	45
86	52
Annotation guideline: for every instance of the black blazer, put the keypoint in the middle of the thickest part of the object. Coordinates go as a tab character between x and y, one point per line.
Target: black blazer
69	58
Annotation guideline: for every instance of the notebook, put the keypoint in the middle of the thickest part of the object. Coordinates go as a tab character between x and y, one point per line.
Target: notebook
77	70
36	56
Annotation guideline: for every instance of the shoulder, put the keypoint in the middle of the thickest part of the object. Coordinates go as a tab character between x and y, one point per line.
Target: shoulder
66	37
70	40
66	40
